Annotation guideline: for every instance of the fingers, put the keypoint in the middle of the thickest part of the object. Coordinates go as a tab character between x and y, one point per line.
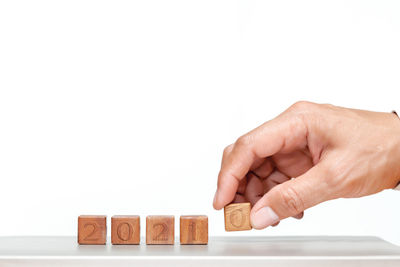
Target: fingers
273	180
240	194
293	164
254	190
239	199
284	133
291	198
264	169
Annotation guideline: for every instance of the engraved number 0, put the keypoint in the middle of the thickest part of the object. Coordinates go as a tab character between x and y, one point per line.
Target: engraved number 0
122	234
237	214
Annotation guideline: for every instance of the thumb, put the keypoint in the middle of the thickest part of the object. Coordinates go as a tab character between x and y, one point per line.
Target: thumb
291	197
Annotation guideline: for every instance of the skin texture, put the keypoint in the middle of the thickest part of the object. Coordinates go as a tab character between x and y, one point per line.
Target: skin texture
330	152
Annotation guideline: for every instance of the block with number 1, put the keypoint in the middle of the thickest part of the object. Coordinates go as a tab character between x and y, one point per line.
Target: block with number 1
194	230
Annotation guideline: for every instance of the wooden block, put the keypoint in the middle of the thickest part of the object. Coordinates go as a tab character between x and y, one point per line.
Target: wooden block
194	230
237	217
92	229
160	230
125	230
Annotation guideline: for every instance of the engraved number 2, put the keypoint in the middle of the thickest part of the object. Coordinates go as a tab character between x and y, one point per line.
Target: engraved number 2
162	236
89	237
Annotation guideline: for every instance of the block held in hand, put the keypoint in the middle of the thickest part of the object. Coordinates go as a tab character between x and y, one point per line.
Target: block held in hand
237	217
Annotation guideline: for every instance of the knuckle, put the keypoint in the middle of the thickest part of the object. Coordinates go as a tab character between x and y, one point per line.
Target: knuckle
302	110
302	106
227	150
292	201
328	106
244	140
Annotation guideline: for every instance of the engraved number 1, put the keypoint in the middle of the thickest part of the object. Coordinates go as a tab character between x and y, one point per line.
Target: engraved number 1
192	230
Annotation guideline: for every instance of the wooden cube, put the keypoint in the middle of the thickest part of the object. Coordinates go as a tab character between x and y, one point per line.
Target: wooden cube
160	230
92	229
125	230
237	217
194	230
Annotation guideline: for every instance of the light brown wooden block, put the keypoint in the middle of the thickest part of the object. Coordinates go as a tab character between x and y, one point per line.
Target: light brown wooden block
125	229
194	230
237	217
92	229
160	230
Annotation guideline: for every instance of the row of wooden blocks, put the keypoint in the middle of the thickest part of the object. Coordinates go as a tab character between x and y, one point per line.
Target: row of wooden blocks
125	229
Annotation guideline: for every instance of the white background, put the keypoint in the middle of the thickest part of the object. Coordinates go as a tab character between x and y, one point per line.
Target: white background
124	107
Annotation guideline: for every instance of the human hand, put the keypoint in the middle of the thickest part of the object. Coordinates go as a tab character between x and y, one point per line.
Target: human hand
331	152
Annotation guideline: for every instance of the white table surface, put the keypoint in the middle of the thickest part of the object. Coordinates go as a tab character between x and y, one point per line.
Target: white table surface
221	251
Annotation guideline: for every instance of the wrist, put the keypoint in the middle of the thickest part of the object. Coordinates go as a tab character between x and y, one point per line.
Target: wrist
397	133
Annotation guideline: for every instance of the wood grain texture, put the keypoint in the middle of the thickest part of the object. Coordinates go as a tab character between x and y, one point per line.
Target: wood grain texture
194	230
92	229
160	230
125	230
237	217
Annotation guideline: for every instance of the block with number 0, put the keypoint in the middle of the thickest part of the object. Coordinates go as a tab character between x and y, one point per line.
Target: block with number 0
125	230
237	217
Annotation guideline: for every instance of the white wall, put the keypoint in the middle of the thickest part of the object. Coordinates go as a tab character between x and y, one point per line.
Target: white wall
124	107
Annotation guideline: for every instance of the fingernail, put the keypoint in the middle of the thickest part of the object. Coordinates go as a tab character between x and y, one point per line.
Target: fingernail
264	217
